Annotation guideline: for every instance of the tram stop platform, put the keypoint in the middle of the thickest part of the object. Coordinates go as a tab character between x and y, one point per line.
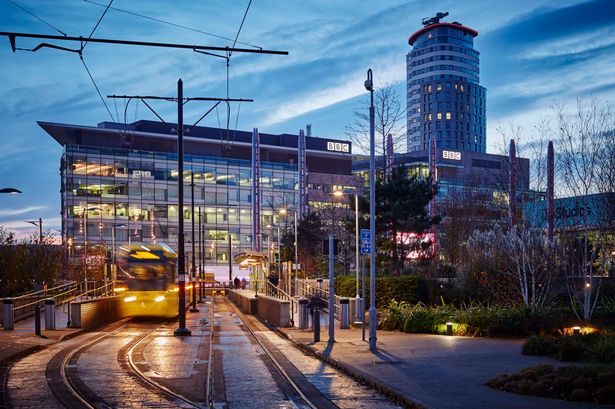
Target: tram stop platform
432	371
22	340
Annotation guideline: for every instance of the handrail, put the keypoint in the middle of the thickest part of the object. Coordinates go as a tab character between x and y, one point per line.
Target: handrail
276	292
44	291
321	293
93	290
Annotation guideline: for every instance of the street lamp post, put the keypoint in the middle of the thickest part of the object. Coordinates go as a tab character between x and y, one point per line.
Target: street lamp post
38	224
181	330
369	85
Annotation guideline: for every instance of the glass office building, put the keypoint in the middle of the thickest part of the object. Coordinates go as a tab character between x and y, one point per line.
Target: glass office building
119	184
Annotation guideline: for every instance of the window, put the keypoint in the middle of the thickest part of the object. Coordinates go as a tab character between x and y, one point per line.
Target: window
439	87
429	116
439	115
429	88
448	116
461	87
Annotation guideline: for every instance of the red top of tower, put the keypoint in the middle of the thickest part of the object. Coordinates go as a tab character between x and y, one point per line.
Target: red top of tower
425	29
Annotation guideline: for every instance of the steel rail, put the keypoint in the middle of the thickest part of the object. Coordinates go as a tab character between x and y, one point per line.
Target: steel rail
150	382
278	366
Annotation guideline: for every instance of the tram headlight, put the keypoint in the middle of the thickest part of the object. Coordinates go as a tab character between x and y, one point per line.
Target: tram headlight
160	298
131	298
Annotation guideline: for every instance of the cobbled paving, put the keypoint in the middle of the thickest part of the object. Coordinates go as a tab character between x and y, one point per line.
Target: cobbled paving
248	382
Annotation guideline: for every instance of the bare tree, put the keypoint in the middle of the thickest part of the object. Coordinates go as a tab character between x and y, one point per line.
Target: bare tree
585	164
521	255
389	118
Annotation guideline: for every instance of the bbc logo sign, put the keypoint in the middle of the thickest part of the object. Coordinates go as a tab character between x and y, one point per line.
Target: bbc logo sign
451	155
338	147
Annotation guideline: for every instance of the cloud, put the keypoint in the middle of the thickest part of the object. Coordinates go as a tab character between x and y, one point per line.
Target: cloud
16	212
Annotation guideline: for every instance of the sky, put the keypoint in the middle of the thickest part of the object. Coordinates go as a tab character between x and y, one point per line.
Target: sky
534	53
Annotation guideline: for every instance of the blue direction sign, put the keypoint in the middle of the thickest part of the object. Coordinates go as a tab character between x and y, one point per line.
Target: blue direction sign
365	241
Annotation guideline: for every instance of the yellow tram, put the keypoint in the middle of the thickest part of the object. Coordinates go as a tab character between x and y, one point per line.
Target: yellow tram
146	277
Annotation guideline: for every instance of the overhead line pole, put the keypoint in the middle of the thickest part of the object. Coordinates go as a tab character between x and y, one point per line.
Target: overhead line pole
181	262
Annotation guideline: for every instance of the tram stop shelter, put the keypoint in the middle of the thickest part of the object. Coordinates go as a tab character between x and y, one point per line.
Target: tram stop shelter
257	262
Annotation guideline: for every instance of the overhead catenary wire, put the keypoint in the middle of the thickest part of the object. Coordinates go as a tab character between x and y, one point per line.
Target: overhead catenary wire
96	26
37	17
173	24
228	61
96	86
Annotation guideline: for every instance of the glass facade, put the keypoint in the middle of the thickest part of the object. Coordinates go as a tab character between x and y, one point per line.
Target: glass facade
113	196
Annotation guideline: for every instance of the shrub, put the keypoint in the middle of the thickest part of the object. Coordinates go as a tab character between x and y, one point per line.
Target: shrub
570	349
606	394
420	322
606	378
541	345
580	395
395	314
602	350
401	288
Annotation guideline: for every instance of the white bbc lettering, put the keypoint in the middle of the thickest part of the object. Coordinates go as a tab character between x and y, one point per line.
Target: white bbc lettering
338	147
141	173
451	155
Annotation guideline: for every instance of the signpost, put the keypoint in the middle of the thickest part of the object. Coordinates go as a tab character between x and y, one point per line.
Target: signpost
365	241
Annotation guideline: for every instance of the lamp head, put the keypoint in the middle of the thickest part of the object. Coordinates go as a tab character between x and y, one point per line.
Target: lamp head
369	83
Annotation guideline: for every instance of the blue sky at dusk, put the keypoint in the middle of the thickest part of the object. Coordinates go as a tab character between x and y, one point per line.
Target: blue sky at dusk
534	53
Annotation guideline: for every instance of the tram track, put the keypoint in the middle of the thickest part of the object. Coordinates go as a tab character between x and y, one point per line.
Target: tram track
307	392
74	392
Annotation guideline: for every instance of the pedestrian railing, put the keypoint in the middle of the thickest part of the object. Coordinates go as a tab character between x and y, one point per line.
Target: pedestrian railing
312	288
24	305
276	292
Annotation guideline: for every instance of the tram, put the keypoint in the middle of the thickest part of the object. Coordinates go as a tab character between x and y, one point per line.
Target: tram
146	275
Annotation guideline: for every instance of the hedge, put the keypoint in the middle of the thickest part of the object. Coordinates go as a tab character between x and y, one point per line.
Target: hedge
401	288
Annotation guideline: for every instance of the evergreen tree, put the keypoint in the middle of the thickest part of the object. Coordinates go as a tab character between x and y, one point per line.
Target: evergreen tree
401	209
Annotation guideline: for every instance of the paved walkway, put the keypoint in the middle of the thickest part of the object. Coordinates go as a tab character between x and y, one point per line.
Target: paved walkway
437	372
22	338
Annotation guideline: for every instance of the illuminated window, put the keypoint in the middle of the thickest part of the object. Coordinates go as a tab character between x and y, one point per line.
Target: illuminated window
438	87
461	87
429	117
456	86
429	88
439	115
448	116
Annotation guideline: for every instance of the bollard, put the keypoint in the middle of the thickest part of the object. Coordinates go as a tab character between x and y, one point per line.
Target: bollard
50	314
8	319
316	324
303	313
319	281
358	305
37	320
344	313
